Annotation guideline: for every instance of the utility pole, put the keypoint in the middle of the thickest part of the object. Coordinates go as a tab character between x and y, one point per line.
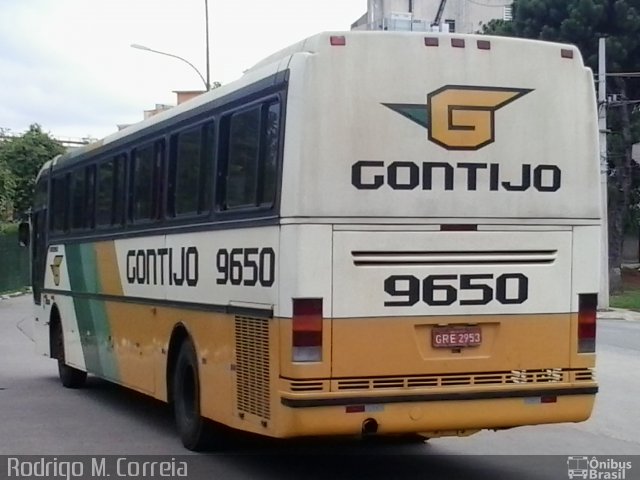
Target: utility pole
603	295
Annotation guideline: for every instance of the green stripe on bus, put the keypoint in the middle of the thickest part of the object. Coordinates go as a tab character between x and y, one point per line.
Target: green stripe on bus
93	322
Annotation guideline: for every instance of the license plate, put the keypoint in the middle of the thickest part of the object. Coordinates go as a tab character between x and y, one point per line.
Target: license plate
456	337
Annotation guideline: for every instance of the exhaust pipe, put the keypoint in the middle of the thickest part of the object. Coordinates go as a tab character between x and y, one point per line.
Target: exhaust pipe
369	427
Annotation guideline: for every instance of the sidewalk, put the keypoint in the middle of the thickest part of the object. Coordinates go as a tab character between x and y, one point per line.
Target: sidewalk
619	314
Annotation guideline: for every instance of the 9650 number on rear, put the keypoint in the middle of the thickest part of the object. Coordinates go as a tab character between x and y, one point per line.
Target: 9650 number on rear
466	289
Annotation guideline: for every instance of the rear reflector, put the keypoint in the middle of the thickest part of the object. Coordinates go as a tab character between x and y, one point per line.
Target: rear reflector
457	42
338	40
307	330
431	41
484	45
587	306
354	409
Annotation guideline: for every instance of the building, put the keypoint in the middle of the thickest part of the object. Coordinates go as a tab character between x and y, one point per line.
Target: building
463	16
181	97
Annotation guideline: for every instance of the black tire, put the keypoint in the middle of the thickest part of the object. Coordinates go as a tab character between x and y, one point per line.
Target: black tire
192	428
69	377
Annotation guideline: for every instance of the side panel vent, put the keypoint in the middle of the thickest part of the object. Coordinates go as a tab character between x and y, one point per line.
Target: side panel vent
585	375
456	380
540	376
411	258
389	383
306	385
252	366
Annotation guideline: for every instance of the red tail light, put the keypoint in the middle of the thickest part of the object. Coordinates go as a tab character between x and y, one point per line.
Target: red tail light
566	53
307	330
338	40
588	303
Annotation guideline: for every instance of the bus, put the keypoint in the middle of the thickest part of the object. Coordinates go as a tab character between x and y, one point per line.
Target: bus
368	233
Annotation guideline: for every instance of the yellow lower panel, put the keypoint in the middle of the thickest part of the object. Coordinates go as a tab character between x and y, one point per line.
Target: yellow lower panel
390	346
140	336
445	416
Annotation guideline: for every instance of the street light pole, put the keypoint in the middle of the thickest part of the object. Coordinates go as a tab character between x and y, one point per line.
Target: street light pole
147	49
206	18
603	294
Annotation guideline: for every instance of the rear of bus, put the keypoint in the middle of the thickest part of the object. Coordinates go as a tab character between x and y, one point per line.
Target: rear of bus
440	236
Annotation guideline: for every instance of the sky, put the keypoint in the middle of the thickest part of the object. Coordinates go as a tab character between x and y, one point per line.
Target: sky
68	65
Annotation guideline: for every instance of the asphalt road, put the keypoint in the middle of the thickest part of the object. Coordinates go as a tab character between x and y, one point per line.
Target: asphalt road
39	417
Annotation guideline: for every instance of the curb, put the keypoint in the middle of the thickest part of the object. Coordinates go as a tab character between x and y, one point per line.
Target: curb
8	296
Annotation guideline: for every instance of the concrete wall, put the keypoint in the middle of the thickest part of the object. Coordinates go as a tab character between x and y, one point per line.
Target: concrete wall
630	249
14	273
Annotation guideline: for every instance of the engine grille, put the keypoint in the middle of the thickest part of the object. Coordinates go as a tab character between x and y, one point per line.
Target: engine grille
547	375
252	366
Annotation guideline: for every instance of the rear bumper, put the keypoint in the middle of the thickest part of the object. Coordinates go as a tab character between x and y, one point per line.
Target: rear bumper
434	397
306	415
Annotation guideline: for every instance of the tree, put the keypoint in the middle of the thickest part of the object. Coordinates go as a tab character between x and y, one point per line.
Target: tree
583	22
23	156
7	192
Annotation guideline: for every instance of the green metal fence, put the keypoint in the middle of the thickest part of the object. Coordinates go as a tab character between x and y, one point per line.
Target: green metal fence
14	263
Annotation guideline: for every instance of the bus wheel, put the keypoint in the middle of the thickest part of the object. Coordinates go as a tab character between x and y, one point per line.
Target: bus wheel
186	398
69	377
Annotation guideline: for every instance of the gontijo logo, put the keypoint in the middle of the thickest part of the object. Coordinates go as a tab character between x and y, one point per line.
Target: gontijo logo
460	117
55	269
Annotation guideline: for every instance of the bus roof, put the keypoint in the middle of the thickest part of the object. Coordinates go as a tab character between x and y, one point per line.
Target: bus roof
270	65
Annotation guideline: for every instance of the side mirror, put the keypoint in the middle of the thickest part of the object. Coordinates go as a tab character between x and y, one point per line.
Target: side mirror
24	234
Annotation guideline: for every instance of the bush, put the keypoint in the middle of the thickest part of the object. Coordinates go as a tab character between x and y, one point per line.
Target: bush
8	228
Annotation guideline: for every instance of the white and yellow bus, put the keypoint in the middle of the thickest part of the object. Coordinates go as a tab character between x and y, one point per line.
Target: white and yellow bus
369	233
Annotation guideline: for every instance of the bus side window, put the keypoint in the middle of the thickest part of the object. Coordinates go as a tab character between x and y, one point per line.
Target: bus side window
90	196
119	189
78	187
188	173
106	183
242	161
59	195
269	170
82	197
158	182
249	169
208	161
142	188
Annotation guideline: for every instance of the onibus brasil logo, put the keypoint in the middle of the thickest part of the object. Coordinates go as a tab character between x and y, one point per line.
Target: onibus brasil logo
460	117
594	468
